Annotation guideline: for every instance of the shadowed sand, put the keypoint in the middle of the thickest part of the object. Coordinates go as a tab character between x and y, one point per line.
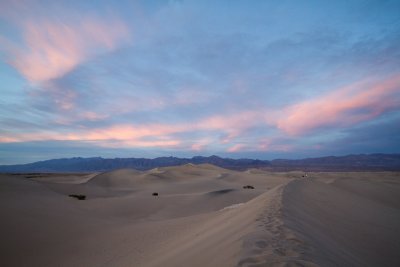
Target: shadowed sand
353	220
202	216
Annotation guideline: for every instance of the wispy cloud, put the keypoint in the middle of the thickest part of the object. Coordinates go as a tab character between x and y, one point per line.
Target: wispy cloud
343	107
236	148
352	104
154	135
198	146
233	125
53	48
178	75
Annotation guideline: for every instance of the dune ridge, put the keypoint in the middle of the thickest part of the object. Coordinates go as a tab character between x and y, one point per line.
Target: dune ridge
353	220
202	216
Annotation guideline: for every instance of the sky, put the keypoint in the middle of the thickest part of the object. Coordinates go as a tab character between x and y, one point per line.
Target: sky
254	79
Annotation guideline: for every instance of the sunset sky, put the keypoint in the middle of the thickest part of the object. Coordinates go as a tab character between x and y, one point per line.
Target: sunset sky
257	79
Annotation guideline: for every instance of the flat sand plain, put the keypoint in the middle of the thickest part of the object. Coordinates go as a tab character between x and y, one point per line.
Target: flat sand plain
202	216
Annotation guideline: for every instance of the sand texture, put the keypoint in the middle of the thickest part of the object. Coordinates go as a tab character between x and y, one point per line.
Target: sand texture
202	216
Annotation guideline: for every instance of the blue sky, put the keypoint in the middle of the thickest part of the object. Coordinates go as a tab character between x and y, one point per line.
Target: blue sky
258	79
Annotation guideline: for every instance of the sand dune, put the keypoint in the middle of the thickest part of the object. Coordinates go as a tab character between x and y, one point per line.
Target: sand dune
348	221
202	216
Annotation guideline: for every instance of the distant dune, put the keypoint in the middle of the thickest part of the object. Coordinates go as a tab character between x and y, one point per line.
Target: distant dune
200	215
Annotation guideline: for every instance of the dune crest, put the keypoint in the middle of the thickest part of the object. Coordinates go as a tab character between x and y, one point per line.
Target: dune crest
200	215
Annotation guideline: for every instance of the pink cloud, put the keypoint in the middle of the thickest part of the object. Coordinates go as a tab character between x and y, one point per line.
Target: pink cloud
154	135
233	125
236	148
345	106
142	143
201	144
80	116
64	99
93	116
273	144
53	48
317	147
282	147
238	120
197	147
158	134
129	133
264	145
7	139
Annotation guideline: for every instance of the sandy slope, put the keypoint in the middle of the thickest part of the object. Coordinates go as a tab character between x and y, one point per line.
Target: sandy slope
348	219
202	217
191	223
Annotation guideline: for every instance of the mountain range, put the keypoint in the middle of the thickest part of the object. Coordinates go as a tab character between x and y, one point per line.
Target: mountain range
362	162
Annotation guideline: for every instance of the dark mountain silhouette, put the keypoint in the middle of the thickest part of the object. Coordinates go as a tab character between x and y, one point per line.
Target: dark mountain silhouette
367	162
372	162
100	164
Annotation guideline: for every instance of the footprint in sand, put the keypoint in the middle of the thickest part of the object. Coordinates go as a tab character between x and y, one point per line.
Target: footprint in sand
261	244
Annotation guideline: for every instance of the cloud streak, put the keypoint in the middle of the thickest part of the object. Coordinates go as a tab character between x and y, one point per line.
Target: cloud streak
345	106
352	104
115	136
53	48
155	135
179	77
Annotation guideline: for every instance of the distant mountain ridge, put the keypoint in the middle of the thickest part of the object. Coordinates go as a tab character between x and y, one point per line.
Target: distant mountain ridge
373	162
367	162
96	164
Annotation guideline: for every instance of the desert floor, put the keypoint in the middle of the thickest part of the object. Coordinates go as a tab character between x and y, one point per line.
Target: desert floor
202	216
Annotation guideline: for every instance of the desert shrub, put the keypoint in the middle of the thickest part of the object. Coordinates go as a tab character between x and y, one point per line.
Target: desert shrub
80	197
155	194
248	187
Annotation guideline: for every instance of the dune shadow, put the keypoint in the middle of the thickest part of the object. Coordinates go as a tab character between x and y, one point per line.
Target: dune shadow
220	192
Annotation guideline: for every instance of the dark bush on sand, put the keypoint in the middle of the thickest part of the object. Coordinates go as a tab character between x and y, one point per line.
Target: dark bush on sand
155	194
248	187
80	197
